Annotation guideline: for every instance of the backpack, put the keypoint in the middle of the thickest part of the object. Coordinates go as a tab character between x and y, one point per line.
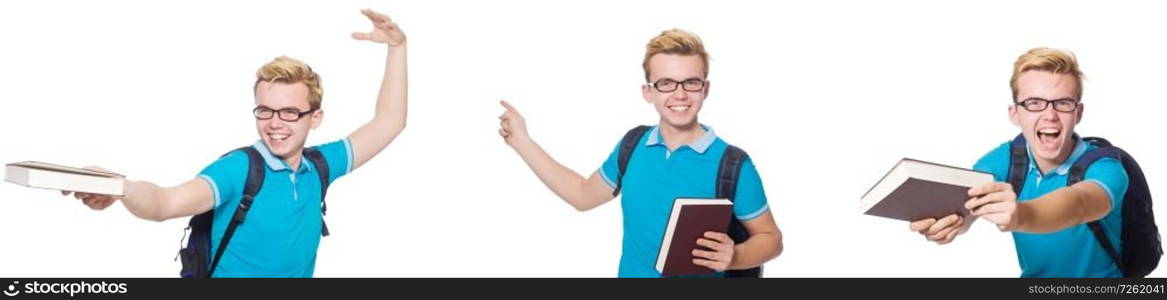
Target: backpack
196	260
728	171
1142	246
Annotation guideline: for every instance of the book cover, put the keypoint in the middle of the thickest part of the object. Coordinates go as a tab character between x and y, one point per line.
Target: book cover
62	178
689	220
915	189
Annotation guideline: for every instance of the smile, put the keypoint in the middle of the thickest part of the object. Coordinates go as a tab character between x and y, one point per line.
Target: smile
278	136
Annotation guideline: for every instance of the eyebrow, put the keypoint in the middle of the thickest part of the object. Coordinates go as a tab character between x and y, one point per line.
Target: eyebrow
683	80
1043	99
282	108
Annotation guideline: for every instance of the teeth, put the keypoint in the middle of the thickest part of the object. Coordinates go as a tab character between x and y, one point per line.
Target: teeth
1049	131
279	136
679	107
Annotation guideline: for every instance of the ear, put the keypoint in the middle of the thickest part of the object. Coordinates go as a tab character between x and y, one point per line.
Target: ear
1081	108
317	117
707	83
1013	116
646	92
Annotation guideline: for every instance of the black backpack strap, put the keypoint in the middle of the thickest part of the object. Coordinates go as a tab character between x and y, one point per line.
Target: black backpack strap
728	173
1018	163
1077	174
729	170
627	145
317	159
255	172
1078	169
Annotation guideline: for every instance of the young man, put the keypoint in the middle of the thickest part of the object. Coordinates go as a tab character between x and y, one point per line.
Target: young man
1048	219
677	158
283	227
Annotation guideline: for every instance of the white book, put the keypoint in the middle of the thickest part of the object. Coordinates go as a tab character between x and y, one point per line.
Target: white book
54	177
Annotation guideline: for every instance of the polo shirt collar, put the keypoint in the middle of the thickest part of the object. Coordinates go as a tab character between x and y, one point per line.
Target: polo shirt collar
700	145
275	163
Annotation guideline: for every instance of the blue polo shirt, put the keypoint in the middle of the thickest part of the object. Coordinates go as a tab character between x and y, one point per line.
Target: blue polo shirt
281	233
656	176
1074	251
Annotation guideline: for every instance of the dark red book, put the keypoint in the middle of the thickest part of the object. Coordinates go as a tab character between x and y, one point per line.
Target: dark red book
690	219
915	190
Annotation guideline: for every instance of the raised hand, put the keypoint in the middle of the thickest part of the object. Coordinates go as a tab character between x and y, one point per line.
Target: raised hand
512	126
385	31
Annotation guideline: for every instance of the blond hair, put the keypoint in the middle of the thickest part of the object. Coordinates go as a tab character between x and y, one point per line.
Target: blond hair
676	41
1056	61
284	69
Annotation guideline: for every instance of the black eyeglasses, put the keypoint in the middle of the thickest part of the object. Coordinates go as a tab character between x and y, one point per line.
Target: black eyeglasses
668	85
290	114
1039	104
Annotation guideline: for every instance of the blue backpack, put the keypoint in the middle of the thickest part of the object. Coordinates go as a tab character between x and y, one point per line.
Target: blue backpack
1142	246
196	260
728	171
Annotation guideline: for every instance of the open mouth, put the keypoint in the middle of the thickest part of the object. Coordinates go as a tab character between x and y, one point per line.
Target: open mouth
1049	137
679	108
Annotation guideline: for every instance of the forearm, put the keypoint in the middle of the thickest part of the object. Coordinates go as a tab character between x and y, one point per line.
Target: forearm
755	251
391	100
145	200
389	114
564	182
1061	209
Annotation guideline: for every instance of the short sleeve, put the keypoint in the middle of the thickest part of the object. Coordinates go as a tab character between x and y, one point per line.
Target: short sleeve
339	156
610	169
995	162
226	177
750	198
1109	173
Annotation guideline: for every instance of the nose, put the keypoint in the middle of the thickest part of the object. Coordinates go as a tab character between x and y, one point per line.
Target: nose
273	124
1049	114
679	95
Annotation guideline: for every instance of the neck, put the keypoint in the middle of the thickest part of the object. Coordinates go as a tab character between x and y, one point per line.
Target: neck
676	136
1046	165
293	160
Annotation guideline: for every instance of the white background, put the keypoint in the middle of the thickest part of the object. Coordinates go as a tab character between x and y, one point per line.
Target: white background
825	96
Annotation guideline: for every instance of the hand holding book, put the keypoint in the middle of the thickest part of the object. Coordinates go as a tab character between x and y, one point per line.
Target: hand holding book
916	190
721	255
942	230
995	202
694	242
933	197
92	200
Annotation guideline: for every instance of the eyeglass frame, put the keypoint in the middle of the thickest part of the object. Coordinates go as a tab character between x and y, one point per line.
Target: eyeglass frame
279	113
1047	104
680	84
